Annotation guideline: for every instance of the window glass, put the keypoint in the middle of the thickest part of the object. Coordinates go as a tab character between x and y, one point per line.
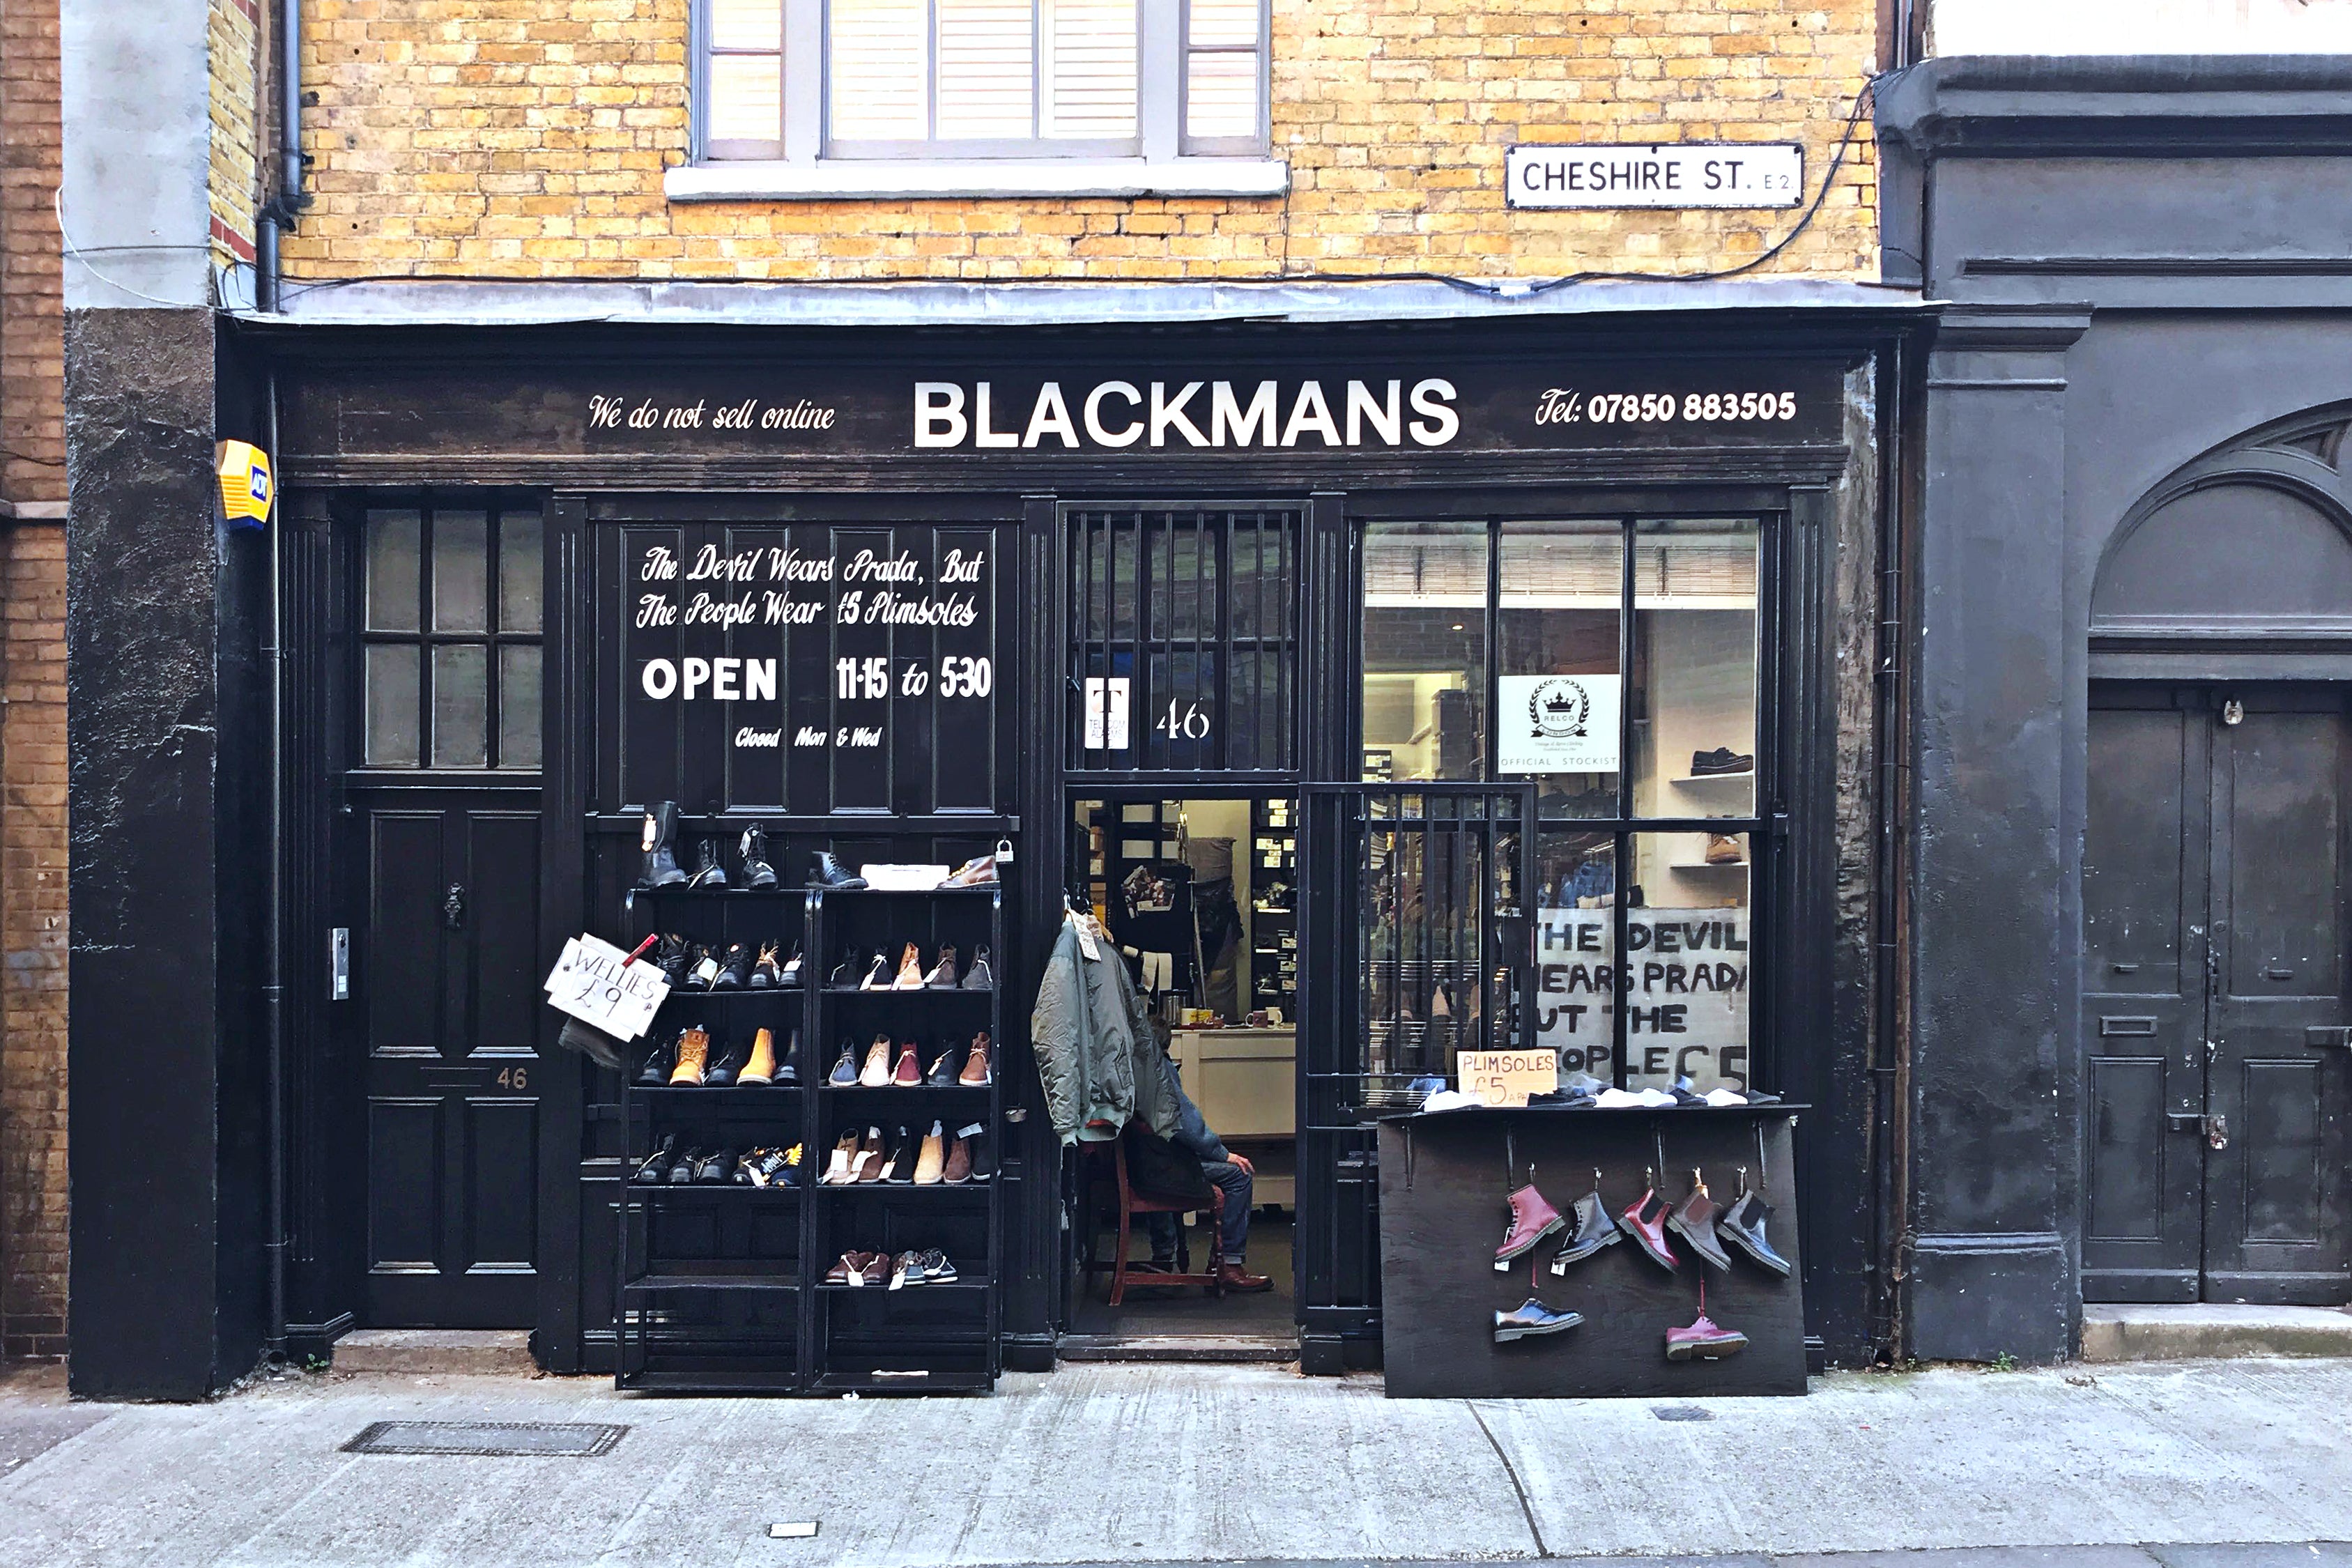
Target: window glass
747	99
1558	688
392	731
392	570
1576	941
1087	67
520	583
746	24
518	706
461	705
1220	71
1424	650
1694	687
878	57
985	71
1687	977
461	572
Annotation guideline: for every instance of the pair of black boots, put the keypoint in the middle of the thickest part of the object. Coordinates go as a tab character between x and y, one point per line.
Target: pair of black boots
662	870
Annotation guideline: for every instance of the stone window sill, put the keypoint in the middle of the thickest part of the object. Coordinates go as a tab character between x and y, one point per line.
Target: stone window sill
874	179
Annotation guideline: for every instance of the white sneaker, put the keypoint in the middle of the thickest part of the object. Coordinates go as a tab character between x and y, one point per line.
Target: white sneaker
1617	1099
1726	1097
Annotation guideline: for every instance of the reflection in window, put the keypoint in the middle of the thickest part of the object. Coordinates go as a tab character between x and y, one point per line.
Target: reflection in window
1557	690
1687	976
1695	668
1424	650
465	694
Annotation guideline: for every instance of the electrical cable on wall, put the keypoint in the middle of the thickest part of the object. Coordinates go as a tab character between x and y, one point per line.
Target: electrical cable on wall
1488	288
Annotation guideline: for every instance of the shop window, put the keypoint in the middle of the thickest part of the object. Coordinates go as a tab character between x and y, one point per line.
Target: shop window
1558	681
1185	654
451	623
1426	596
952	79
1694	644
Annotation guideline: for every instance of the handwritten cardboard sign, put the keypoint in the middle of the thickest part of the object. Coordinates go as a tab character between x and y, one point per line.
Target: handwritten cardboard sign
590	982
1507	1077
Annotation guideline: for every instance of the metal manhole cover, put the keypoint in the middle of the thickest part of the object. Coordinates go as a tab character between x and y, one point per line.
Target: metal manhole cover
1681	1412
489	1440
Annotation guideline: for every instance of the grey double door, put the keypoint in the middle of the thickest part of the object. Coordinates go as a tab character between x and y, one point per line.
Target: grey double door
2218	1098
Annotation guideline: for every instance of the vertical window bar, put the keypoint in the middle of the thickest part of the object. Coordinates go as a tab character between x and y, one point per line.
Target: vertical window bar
424	636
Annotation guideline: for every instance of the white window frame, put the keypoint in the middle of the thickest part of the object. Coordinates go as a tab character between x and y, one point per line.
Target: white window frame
802	161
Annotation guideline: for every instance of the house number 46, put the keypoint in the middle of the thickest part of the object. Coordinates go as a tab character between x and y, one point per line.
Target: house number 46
1188	723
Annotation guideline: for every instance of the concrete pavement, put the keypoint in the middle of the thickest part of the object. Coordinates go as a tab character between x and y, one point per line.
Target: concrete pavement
1114	1463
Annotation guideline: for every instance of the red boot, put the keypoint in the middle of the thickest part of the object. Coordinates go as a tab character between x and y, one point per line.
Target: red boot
1650	1232
1532	1219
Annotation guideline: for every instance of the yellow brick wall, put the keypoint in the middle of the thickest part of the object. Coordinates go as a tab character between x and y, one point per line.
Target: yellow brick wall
234	30
34	1205
522	137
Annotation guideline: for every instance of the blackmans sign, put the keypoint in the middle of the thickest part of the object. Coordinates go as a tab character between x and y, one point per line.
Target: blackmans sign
1079	404
1678	174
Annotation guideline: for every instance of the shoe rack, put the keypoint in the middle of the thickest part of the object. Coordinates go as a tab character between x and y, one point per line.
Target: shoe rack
933	1337
721	1289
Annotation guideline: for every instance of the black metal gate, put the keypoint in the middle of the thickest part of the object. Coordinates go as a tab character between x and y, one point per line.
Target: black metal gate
1414	946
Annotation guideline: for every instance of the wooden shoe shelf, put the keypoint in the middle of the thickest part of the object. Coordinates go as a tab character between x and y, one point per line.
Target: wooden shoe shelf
719	1289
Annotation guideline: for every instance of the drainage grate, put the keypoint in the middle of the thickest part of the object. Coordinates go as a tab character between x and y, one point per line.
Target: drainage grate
489	1440
1681	1412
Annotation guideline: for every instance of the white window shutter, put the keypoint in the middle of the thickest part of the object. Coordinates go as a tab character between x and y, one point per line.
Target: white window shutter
879	56
1087	67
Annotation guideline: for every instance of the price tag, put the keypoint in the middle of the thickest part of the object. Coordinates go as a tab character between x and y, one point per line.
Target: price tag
590	983
1507	1078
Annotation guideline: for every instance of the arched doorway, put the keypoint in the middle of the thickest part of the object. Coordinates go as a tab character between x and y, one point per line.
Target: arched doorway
2217	1006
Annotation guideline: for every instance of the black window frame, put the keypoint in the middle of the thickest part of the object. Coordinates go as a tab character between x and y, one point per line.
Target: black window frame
496	510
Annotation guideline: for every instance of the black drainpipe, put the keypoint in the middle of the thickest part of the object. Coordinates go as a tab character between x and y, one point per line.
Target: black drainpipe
283	211
273	991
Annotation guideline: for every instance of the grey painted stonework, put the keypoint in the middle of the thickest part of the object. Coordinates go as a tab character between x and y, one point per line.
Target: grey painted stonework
2145	261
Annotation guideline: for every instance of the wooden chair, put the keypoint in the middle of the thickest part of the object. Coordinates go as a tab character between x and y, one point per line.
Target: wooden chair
1122	1269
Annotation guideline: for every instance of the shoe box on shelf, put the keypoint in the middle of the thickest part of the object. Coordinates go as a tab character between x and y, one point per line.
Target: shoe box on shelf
734	1235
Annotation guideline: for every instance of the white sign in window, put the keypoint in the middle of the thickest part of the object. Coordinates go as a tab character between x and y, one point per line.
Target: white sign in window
1557	723
1701	175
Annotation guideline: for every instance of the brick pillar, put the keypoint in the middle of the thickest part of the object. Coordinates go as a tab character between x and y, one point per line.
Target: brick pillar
33	1201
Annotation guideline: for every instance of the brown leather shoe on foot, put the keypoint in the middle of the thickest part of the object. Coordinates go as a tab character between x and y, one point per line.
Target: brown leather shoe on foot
1233	1277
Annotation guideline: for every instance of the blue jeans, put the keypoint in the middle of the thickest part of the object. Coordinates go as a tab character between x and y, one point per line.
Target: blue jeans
1235	1182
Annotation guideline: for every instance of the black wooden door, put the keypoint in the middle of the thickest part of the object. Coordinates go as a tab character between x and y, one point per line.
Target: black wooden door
445	981
2214	996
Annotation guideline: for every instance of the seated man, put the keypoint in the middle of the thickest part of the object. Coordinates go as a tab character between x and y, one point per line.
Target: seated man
1230	1173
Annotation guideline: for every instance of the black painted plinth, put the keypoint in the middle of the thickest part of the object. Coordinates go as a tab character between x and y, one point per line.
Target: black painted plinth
1444	1181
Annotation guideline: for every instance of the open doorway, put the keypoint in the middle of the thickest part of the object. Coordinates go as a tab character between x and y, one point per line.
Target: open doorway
1198	895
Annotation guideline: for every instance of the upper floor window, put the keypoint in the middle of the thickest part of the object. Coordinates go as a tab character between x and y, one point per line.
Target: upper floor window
952	79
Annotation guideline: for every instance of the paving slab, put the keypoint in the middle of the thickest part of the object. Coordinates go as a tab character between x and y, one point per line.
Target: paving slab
1167	1463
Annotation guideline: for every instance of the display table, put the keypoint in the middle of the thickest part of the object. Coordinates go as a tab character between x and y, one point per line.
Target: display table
1444	1181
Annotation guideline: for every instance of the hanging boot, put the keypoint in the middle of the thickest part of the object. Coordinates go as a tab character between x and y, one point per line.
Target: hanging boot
1742	1225
1531	1319
1532	1219
709	876
1647	1229
1695	1223
660	844
832	874
1594	1230
1702	1340
757	872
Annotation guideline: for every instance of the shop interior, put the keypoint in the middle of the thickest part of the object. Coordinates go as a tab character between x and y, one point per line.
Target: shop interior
1198	894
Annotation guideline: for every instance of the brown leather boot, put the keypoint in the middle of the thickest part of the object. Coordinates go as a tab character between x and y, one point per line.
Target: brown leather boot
1233	1277
761	1067
693	1055
931	1165
975	1065
1695	1223
1532	1219
959	1163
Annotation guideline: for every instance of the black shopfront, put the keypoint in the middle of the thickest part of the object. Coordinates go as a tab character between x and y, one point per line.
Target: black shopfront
923	594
